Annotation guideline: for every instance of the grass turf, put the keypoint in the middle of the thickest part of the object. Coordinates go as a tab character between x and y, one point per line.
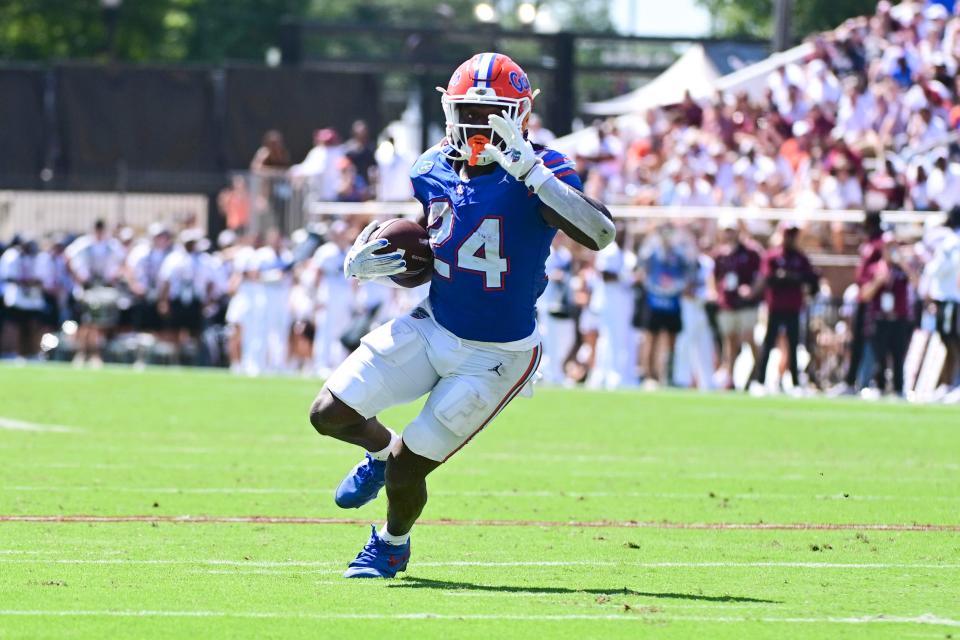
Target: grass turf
169	443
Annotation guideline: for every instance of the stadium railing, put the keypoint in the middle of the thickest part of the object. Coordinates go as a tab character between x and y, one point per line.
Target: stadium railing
274	201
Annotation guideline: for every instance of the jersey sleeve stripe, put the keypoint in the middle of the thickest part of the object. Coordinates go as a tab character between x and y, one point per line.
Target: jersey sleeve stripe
559	160
568	172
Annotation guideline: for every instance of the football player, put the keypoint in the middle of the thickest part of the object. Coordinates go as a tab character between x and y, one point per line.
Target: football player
492	205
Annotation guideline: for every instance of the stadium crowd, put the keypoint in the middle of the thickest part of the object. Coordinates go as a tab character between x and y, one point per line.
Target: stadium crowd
869	120
864	121
676	305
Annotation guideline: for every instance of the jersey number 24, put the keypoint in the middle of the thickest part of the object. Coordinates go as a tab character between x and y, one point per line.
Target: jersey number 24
480	251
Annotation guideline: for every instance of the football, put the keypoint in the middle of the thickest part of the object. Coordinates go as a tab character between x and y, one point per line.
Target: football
410	239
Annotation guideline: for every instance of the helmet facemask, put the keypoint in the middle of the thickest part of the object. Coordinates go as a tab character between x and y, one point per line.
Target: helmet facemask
468	140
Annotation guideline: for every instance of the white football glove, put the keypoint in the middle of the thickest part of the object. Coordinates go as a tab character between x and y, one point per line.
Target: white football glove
362	263
519	159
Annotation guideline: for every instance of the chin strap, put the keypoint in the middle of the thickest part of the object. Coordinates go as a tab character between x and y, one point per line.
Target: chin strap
570	205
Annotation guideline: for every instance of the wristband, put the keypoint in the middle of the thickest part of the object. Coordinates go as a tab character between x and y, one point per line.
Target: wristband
537	175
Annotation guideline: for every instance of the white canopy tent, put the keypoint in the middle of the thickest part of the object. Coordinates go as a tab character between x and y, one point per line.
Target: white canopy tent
693	72
753	79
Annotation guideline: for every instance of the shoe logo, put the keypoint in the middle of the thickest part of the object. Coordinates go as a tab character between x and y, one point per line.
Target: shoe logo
420	313
497	369
395	560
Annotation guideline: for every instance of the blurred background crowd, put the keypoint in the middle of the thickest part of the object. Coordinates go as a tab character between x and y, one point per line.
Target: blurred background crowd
865	119
730	294
714	305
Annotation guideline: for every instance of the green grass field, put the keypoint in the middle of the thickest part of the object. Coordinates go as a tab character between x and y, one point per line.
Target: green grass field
574	515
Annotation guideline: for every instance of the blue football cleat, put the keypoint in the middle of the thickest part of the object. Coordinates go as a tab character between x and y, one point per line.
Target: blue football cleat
362	484
378	559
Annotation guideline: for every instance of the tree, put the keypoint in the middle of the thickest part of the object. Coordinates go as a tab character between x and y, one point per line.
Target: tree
217	30
755	17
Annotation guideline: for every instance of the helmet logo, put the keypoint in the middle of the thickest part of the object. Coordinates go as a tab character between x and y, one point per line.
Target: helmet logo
519	82
456	77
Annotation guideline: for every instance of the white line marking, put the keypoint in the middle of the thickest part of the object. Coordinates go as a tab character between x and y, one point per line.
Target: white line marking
574	495
630	524
273	564
639	615
20	425
606	474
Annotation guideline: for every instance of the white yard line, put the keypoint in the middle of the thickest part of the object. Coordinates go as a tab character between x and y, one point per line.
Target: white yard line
259	566
641	616
601	524
20	425
574	495
605	474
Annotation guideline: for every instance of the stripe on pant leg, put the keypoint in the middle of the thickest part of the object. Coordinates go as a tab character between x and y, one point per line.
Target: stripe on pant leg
514	390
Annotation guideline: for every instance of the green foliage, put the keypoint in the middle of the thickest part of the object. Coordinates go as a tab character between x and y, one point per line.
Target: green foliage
217	30
41	29
755	17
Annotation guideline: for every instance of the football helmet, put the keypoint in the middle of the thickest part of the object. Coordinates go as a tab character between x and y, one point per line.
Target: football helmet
485	79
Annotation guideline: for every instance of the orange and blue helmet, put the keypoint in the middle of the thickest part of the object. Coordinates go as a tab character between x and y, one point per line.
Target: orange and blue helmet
486	79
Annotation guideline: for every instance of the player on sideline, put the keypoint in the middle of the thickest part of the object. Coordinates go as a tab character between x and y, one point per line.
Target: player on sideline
492	205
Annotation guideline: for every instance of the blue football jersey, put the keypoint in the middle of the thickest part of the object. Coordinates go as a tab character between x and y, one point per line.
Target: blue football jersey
668	274
490	245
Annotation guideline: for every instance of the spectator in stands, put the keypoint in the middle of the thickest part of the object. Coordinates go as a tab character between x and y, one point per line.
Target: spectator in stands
22	283
185	288
943	182
695	353
269	166
557	313
666	273
272	156
234	204
361	153
393	172
871	256
334	296
320	168
611	303
352	187
95	262
941	278
888	296
4	313
57	284
786	275
243	328
736	276
143	279
602	161
273	305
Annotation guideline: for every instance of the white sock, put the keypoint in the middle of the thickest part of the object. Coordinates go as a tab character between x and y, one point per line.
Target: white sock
389	538
393	447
